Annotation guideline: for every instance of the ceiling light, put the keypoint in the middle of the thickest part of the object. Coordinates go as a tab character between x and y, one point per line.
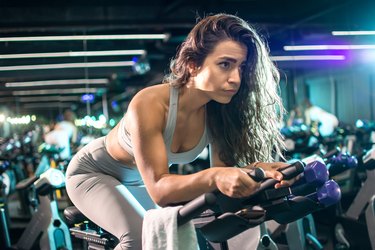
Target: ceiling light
75	54
308	58
67	65
48	105
57	82
87	37
354	33
49	99
55	91
329	47
7	99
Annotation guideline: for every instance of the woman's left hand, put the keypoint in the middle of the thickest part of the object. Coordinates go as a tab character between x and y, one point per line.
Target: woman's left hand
271	171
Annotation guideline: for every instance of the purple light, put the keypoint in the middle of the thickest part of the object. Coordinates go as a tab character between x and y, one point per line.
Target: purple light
329	47
309	58
87	98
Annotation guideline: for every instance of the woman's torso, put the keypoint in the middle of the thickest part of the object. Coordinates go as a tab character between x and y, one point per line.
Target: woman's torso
185	138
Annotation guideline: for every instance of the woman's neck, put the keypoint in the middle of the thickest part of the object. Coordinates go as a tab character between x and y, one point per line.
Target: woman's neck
191	100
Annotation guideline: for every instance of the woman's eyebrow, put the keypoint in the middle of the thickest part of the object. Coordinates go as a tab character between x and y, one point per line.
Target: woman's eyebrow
231	59
228	58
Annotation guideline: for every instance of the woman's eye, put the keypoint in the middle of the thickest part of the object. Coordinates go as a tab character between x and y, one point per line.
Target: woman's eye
224	65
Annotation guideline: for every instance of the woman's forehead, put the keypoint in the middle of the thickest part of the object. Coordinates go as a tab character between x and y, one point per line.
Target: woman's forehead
230	49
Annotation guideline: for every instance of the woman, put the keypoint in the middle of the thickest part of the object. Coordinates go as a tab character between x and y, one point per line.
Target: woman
222	91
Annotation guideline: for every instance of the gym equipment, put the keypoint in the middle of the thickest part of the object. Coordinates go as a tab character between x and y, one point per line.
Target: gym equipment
303	230
50	158
300	140
341	166
363	204
340	162
4	191
45	222
10	151
220	227
366	131
218	217
301	233
94	237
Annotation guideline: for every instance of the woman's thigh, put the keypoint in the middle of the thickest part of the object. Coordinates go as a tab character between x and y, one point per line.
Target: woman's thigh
108	203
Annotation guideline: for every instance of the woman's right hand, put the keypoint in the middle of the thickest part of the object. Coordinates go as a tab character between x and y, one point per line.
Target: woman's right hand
235	182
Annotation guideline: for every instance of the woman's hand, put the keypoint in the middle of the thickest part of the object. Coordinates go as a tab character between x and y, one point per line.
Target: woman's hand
235	182
271	171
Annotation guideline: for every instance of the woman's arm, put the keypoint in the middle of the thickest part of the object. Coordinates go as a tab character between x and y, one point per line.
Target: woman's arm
270	170
146	123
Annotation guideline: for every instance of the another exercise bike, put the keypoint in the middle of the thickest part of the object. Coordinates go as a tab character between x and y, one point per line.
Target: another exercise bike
46	229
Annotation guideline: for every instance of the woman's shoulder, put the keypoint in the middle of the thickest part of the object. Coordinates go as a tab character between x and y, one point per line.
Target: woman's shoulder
151	98
153	93
150	105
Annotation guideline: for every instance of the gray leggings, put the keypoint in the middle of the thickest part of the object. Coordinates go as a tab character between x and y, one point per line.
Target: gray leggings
109	193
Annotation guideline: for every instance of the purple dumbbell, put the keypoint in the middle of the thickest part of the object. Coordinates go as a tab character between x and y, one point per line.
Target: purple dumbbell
345	160
328	194
314	176
316	173
340	163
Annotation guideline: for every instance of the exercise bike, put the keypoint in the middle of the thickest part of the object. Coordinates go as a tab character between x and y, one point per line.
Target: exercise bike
218	218
302	233
46	229
360	215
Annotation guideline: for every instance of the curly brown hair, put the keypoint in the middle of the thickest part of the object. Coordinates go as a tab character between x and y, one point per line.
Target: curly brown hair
246	129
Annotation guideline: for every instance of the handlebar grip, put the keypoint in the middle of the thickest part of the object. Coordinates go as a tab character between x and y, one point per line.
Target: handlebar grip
288	172
257	174
195	207
208	200
26	183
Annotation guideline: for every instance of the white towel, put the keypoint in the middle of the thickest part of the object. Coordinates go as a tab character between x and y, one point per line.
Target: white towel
160	231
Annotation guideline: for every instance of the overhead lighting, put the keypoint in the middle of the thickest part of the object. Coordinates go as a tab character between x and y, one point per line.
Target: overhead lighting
354	33
67	65
329	47
57	82
308	58
7	99
55	91
48	105
49	99
87	37
75	54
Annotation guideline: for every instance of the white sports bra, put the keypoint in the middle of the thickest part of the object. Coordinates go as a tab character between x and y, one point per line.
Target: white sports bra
173	158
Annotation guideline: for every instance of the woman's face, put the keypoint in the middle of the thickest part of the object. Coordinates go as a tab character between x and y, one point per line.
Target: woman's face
220	75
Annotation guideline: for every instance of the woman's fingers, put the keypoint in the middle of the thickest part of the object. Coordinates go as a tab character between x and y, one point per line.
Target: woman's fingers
274	174
283	184
271	170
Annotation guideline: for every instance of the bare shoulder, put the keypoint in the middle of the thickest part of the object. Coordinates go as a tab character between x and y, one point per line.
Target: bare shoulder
151	94
149	106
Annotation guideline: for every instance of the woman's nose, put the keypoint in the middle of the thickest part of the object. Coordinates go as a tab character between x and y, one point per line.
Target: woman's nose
235	76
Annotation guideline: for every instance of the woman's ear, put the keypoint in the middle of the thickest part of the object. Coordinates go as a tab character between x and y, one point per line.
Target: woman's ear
192	69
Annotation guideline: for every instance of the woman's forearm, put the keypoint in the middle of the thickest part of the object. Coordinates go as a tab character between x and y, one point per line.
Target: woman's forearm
172	188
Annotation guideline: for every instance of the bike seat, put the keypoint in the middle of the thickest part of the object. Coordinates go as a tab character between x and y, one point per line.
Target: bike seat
73	215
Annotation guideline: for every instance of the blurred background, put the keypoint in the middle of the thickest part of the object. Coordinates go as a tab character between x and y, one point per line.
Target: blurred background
76	65
92	56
